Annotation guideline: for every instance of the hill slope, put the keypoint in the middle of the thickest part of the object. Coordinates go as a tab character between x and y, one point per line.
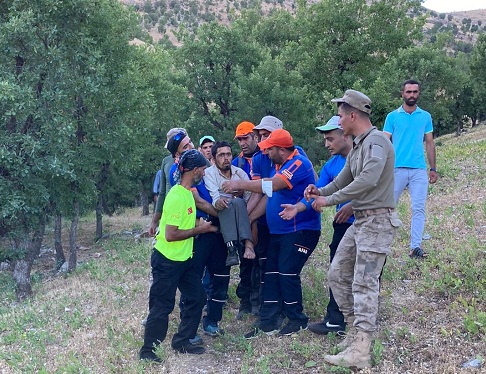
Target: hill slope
161	18
431	315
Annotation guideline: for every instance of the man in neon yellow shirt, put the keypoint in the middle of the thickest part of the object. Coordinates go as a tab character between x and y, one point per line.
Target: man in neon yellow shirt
172	264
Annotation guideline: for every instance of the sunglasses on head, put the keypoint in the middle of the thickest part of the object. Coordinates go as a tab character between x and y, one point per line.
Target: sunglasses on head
179	136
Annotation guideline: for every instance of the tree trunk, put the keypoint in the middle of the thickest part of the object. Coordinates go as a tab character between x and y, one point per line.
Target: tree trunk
23	266
21	276
60	257
459	128
100	186
99	217
73	233
145	204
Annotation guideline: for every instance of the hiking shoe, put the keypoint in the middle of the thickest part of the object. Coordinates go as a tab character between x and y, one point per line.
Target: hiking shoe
242	314
232	258
417	253
197	340
325	327
149	356
293	327
191	349
213	330
257	331
280	319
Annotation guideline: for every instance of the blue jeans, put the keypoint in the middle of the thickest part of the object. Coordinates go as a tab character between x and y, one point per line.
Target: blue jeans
417	182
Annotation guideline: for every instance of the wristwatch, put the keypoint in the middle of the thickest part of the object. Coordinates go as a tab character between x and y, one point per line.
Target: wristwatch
433	169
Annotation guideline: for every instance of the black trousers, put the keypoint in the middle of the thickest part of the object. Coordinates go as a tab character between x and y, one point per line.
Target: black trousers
249	290
210	251
333	314
287	255
168	276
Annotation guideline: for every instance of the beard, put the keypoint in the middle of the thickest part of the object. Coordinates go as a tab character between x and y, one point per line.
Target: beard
410	102
224	167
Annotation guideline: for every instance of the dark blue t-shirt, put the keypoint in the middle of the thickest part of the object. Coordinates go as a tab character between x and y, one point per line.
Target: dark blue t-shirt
298	173
329	171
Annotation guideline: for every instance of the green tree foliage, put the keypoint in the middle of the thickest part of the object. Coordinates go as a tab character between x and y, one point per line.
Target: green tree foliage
211	62
478	78
83	113
343	42
54	67
440	75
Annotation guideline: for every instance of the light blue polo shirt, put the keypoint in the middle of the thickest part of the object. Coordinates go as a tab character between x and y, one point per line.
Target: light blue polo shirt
407	131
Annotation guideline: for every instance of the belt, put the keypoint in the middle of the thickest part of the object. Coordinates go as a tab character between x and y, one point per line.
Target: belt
372	212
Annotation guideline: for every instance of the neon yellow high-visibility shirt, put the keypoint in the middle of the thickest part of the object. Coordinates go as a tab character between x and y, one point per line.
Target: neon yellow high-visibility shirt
179	210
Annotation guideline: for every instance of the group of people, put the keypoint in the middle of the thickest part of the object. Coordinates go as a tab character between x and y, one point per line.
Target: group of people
261	210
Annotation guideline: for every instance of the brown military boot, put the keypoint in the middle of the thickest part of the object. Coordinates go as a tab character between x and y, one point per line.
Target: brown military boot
357	355
349	335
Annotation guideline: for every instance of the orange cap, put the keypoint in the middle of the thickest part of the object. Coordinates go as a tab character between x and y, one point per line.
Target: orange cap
244	128
278	138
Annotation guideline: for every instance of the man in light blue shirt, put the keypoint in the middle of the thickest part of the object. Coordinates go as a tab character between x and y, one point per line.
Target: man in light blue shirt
408	127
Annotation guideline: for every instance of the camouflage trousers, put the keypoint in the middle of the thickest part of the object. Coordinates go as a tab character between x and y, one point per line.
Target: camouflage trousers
355	270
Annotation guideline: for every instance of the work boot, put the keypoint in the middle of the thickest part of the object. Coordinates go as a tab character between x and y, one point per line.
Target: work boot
349	335
357	355
232	258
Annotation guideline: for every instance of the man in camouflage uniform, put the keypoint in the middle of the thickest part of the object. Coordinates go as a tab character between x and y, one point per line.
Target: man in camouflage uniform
367	179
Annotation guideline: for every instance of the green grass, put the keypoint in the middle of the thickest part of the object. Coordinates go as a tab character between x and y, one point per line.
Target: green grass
432	313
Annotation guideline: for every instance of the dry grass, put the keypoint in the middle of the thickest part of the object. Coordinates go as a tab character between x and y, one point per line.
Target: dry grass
89	322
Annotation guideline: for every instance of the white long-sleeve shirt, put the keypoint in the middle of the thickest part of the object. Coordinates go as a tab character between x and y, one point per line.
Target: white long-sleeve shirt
213	179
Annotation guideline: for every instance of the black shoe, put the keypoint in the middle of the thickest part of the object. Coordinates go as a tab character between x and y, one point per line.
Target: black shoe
293	327
149	356
232	258
257	331
191	349
325	327
418	253
280	320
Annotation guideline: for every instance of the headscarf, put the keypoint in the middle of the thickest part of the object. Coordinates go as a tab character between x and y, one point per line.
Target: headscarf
188	161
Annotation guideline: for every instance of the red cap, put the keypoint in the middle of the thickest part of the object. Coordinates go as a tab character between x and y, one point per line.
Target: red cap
278	138
244	128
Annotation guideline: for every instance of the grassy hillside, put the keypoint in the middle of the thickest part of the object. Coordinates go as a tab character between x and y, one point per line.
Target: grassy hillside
432	313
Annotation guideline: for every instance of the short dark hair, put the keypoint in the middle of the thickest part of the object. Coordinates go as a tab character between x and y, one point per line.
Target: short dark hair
348	109
409	81
217	145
